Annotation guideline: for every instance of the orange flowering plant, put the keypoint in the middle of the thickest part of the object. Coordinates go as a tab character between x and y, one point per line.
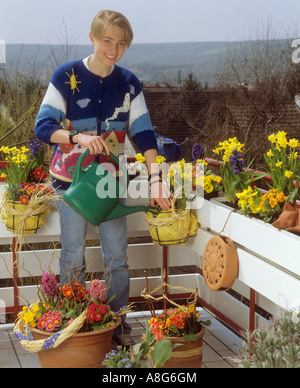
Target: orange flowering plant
182	321
267	205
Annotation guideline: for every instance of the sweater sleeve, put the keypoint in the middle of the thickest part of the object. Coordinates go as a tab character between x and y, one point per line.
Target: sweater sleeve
52	112
140	126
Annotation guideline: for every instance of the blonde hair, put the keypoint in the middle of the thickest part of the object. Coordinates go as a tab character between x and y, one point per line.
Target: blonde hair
106	17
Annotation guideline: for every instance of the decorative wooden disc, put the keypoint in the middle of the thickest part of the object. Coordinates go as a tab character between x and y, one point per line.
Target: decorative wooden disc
220	263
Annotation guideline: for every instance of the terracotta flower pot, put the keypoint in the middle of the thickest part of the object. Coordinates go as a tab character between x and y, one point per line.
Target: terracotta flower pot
220	263
188	355
81	350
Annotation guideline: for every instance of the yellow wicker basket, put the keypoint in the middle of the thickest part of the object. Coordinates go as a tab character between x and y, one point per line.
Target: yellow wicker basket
171	227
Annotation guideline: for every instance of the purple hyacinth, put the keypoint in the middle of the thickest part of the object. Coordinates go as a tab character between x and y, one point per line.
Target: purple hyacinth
237	163
49	284
198	151
34	147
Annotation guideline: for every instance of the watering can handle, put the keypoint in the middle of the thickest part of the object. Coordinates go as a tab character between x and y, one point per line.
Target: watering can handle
78	170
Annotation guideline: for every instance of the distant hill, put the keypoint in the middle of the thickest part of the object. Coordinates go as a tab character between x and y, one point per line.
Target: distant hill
150	62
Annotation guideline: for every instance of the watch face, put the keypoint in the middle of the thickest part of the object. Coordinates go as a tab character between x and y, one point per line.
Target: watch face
73	132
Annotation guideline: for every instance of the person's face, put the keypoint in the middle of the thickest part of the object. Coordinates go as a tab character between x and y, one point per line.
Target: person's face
110	48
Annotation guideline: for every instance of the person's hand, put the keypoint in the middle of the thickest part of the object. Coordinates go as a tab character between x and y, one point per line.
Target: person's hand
95	144
161	195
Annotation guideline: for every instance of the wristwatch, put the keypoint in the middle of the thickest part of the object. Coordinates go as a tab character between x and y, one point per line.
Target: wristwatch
71	134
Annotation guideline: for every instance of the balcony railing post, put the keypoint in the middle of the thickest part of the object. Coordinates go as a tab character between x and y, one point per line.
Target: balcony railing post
252	310
165	272
15	277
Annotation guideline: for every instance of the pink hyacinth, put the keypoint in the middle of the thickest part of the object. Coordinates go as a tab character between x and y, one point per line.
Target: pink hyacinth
97	291
49	284
70	321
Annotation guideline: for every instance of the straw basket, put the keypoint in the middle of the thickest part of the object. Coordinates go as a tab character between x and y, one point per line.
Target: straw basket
21	218
67	348
171	227
32	219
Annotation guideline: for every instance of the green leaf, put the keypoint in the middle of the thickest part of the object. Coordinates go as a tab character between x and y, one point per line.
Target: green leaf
162	352
111	298
144	349
149	335
206	323
190	337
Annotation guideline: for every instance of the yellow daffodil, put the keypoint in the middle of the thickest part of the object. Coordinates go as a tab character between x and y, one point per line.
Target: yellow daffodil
140	158
288	174
272	138
201	161
293	143
160	159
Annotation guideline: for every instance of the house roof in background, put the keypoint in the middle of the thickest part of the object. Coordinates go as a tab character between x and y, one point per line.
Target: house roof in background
178	115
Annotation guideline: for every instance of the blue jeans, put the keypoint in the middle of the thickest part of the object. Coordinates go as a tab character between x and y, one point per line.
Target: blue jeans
113	240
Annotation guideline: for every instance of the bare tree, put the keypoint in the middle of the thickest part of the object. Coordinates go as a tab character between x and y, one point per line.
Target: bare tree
67	47
253	84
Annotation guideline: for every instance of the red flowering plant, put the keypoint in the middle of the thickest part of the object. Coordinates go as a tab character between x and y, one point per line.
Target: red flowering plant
58	307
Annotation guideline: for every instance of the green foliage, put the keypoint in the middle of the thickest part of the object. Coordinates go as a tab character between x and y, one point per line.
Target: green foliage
277	346
20	99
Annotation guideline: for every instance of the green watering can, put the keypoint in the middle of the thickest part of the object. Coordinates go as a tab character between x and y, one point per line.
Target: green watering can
85	195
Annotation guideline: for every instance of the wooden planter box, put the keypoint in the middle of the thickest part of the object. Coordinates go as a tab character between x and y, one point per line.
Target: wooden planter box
269	259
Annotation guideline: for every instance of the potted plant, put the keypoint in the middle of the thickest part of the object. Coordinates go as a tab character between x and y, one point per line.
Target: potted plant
276	346
175	226
24	203
165	334
72	326
175	336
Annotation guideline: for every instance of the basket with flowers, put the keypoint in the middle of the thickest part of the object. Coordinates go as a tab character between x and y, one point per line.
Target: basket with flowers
175	226
65	313
25	205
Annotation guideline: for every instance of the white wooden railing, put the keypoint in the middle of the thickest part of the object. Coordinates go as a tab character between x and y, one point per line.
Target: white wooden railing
271	282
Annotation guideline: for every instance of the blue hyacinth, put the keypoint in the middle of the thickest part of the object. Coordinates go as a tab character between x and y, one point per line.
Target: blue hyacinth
237	163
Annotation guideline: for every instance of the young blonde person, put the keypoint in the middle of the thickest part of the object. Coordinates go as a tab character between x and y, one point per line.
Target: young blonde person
98	101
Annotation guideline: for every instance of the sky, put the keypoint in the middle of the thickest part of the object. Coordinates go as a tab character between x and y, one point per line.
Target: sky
153	21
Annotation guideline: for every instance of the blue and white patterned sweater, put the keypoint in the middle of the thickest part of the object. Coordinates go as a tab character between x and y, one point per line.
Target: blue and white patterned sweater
93	105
